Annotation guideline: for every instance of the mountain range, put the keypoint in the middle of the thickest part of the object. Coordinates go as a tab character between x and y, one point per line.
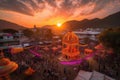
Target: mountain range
107	22
10	25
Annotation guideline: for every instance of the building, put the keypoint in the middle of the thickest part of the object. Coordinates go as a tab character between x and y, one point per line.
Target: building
88	33
7	40
70	43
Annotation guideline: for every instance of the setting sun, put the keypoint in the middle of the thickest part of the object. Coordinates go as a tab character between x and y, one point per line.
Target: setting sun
59	24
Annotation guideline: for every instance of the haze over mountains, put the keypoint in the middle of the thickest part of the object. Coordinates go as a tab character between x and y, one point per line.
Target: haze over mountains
109	21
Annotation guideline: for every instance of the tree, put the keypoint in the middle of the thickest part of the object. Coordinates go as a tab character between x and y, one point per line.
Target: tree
110	38
11	31
28	33
37	35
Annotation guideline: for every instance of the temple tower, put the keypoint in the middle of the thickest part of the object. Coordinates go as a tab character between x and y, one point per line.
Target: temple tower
70	46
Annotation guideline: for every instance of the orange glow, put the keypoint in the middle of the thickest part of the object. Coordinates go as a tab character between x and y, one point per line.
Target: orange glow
39	19
70	44
59	24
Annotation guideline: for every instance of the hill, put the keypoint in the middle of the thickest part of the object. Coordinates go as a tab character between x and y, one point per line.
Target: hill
107	22
9	25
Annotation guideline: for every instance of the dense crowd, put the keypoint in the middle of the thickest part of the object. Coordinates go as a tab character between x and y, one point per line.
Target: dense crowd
48	67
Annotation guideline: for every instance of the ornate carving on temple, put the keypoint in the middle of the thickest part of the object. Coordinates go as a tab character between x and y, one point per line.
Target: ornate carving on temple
70	46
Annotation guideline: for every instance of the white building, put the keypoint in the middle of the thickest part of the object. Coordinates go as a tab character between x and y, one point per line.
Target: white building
90	33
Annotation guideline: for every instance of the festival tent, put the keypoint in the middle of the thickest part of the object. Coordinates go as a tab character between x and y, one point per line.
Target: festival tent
85	75
16	50
100	47
88	51
97	76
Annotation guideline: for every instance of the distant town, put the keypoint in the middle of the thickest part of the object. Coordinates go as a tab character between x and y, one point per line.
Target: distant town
60	40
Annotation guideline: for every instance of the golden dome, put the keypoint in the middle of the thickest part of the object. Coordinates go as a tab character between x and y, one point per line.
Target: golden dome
4	61
70	38
7	66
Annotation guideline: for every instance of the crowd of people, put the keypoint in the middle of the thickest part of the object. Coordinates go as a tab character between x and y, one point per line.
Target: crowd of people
48	67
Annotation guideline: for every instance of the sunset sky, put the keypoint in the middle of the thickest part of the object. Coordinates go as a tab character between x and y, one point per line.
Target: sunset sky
45	12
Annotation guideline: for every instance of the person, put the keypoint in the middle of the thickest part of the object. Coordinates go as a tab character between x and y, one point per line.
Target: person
1	54
65	72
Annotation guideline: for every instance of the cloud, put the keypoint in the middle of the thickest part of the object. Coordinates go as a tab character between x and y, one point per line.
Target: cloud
14	5
66	8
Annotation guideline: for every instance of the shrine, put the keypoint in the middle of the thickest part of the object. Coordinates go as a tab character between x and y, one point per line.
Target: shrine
70	46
